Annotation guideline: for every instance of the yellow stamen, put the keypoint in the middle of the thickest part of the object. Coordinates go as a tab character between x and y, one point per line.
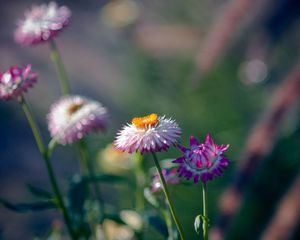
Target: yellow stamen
74	108
145	122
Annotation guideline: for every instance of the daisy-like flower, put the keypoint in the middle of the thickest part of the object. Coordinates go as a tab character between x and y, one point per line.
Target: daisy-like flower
171	177
203	160
16	81
73	117
41	24
148	134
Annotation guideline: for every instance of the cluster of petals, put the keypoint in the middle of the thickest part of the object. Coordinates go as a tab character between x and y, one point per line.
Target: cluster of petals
148	134
203	161
41	24
171	177
73	117
16	81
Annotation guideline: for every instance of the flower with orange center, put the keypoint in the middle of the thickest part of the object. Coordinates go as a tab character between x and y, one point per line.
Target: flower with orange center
150	133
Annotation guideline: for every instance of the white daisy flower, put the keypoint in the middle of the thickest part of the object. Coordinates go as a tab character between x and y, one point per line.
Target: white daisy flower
148	134
73	117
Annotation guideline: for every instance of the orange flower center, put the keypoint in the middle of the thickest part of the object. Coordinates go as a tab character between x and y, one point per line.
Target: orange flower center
74	108
145	122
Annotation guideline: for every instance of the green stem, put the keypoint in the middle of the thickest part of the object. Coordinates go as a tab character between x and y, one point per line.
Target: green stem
168	198
60	68
205	213
140	182
89	167
168	220
45	153
51	146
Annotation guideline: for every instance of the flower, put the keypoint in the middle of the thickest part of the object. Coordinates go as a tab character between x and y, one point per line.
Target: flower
114	231
132	219
41	24
115	161
120	13
202	161
170	176
148	134
73	117
16	81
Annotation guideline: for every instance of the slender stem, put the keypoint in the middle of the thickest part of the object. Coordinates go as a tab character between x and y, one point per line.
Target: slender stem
168	198
168	220
60	68
51	174
86	162
51	146
205	213
140	182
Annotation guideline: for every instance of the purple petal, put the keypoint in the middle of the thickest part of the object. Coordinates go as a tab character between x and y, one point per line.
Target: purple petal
194	142
182	148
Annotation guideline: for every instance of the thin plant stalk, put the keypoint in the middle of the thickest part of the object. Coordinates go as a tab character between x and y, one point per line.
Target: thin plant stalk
86	162
168	198
169	223
45	153
140	182
205	212
89	168
60	68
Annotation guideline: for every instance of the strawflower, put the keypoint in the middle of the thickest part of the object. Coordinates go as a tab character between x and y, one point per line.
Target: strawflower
203	161
115	161
41	24
73	117
16	81
170	176
148	134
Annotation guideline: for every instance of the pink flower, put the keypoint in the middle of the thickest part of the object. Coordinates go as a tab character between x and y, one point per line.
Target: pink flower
73	117
148	134
41	24
16	81
203	160
170	176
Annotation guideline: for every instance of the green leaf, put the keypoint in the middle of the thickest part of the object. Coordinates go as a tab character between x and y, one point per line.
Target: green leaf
27	207
197	223
149	196
39	192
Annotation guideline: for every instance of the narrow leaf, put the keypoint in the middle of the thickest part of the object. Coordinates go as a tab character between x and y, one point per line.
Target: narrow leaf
27	207
39	192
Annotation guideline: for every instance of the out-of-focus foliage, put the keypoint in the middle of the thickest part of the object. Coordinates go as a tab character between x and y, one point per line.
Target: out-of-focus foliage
147	64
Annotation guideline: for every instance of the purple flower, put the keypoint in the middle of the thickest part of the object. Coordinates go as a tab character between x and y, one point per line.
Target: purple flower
73	117
148	134
16	81
170	176
203	160
41	24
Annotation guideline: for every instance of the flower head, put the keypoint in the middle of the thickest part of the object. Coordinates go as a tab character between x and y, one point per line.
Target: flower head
15	81
41	24
73	117
115	161
170	176
148	134
203	160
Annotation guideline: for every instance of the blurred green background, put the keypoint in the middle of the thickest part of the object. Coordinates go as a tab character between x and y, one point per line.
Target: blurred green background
141	58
